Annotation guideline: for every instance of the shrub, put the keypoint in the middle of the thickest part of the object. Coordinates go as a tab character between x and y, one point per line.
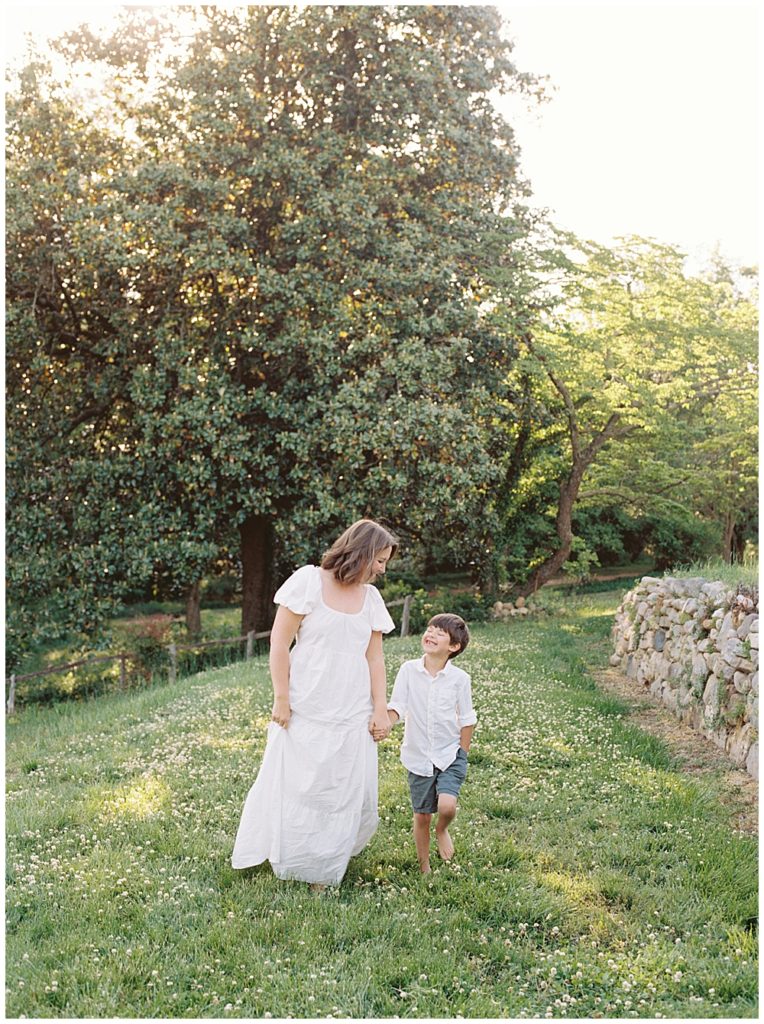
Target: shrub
224	589
471	605
582	562
74	684
678	538
147	639
611	533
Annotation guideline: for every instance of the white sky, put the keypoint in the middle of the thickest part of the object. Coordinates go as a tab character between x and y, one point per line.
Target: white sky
652	129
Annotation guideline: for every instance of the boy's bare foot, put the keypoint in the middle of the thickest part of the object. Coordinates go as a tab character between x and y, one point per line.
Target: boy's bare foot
317	887
424	868
445	844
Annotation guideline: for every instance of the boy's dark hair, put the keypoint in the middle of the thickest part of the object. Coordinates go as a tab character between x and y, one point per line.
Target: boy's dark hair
456	628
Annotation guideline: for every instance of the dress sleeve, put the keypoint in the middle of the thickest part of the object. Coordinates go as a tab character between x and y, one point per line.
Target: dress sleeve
301	592
379	616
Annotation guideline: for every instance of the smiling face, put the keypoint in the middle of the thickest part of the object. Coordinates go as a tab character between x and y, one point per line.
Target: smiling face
379	564
437	642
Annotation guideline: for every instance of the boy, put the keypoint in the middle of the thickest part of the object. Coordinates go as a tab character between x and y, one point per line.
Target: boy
435	698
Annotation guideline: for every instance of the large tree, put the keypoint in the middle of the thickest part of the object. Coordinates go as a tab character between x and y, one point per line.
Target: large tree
641	384
283	254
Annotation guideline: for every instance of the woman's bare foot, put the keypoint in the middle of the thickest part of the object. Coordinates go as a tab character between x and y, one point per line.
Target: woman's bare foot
317	887
445	844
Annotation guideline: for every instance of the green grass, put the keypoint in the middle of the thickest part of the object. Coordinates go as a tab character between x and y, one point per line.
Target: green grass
591	878
746	572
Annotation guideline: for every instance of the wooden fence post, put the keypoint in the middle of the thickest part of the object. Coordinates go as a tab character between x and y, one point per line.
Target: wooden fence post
173	651
11	705
406	613
122	671
250	644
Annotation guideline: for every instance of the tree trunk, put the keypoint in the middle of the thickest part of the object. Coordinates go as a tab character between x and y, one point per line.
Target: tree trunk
582	457
738	544
193	609
569	488
727	537
256	559
551	566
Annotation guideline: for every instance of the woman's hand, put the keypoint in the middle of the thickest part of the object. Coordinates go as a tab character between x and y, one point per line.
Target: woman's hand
379	726
281	712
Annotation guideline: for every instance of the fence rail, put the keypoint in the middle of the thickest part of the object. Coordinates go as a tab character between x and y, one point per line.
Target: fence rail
122	658
172	652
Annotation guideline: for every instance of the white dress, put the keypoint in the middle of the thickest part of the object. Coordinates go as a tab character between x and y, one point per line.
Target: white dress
314	802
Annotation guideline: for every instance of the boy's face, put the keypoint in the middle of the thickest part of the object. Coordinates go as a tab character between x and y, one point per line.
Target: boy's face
437	641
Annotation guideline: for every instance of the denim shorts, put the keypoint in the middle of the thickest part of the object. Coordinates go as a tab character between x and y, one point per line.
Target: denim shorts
425	789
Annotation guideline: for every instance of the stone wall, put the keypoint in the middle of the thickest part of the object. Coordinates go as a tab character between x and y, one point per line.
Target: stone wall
695	645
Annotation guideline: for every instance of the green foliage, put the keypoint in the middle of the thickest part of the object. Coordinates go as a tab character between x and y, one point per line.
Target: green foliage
254	286
471	605
678	537
401	572
614	535
638	389
222	589
145	637
79	683
583	561
735	711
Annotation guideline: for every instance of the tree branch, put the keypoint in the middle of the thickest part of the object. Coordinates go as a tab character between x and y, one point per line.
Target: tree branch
564	393
616	492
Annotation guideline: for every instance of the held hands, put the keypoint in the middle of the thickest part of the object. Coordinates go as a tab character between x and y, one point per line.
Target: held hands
281	712
380	725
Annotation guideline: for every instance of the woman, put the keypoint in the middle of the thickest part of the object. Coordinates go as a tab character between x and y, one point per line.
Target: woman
314	802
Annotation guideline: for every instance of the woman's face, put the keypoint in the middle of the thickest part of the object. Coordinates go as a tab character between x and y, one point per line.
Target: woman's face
379	563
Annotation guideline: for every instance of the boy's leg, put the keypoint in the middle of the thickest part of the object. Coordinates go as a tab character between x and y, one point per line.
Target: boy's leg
422	840
446	814
449	782
423	803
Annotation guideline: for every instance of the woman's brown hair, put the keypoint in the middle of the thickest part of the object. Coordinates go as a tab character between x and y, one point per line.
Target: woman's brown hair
349	558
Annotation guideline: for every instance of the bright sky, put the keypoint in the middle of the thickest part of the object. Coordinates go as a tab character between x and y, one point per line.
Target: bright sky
652	128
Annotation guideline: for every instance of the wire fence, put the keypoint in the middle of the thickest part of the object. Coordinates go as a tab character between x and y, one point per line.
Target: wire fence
171	662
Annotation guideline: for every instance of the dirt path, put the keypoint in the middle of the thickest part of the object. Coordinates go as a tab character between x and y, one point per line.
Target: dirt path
695	754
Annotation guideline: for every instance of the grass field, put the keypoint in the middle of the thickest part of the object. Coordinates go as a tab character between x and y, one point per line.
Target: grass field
591	879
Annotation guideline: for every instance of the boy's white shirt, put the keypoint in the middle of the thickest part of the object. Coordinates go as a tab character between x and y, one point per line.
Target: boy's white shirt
435	709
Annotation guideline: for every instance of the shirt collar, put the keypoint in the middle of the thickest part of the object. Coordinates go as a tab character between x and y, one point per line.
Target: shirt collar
444	671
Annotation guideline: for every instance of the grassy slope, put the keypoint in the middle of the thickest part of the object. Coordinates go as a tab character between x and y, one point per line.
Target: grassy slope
590	878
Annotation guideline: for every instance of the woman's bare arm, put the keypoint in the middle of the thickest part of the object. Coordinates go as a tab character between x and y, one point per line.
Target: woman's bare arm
284	630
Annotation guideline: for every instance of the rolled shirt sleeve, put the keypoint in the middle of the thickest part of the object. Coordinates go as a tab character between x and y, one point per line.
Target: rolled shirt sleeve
465	711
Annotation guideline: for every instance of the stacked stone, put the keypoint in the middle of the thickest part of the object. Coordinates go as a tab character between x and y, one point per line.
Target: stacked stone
503	611
695	644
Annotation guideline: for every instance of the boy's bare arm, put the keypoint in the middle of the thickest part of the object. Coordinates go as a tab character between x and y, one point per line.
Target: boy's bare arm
465	737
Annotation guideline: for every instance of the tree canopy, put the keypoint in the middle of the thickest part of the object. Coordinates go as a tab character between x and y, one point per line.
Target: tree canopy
247	296
270	269
642	386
